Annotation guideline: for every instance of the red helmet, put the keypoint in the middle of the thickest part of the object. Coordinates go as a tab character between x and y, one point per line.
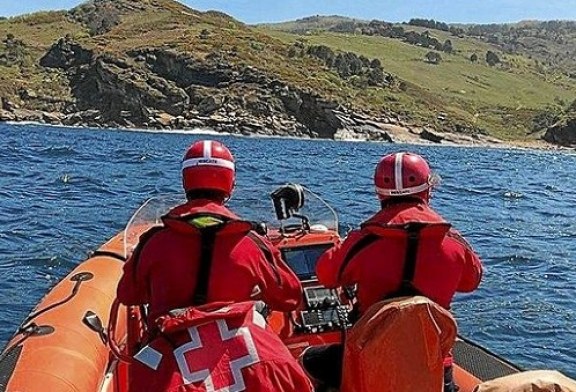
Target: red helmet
403	174
208	165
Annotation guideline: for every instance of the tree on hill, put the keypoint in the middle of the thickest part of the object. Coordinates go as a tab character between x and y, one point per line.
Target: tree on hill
474	58
342	66
365	61
457	31
492	58
447	46
433	57
376	77
375	63
322	52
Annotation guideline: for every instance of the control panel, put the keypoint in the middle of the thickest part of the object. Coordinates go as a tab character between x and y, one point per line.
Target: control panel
324	311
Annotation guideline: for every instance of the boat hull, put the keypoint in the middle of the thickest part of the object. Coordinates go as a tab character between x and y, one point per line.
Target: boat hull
54	351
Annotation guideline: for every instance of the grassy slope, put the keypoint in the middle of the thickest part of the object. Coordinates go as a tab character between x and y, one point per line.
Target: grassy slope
501	101
486	96
38	32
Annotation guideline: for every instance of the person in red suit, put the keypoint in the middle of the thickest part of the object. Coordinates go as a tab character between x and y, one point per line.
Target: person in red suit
406	248
205	254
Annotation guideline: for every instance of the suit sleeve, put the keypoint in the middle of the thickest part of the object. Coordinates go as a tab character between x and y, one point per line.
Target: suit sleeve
472	273
330	263
132	288
281	288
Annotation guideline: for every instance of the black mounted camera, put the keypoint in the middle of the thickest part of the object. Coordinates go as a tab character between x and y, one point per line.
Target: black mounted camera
288	199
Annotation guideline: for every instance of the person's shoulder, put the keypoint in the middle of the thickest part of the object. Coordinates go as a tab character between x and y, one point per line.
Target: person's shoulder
257	241
459	238
152	235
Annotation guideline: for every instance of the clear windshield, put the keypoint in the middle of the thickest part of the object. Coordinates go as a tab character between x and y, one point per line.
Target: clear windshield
254	205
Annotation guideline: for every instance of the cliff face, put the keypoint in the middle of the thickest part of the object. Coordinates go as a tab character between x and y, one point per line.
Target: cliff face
168	88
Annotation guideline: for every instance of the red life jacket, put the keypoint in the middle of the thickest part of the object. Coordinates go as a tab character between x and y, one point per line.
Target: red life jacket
216	347
180	264
403	246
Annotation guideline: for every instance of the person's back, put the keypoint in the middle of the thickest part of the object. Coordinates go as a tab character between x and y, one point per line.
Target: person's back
168	265
404	249
376	255
203	252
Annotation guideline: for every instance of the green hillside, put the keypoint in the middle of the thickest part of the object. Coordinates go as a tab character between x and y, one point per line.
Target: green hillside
131	60
502	100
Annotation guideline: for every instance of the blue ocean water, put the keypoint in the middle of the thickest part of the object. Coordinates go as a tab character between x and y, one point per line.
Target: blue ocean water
64	191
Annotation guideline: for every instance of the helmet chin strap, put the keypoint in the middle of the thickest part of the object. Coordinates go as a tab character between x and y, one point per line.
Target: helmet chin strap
226	200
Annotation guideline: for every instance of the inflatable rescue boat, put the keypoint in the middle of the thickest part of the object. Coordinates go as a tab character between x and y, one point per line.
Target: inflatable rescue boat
69	343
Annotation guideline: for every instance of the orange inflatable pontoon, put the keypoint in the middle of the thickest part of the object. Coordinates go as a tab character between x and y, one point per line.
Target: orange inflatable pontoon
63	345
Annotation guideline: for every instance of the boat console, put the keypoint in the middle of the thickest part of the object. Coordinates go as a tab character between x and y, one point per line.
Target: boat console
323	311
323	308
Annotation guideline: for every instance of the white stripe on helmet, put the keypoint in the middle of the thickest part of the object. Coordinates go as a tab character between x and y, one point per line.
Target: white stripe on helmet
404	191
193	162
207	149
398	171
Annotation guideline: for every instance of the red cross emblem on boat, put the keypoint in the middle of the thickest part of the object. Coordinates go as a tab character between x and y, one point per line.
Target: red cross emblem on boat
216	350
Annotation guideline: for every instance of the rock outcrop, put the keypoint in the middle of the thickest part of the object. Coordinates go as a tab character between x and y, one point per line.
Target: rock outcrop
66	54
562	133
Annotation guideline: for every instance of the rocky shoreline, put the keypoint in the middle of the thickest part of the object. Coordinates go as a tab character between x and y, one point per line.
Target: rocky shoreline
377	131
352	126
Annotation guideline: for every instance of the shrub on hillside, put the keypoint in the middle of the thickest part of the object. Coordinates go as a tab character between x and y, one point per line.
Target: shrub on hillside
14	51
433	58
204	34
492	58
545	119
99	17
447	46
